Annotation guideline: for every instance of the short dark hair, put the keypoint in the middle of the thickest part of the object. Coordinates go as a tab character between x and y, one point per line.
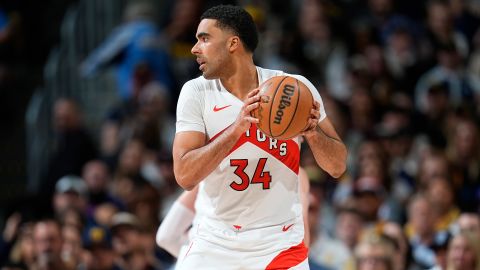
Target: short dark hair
237	20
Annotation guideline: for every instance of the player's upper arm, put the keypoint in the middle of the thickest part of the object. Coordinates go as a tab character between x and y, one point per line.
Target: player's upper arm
190	107
190	126
183	143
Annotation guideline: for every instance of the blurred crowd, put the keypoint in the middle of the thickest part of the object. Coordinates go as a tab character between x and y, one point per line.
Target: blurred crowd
400	81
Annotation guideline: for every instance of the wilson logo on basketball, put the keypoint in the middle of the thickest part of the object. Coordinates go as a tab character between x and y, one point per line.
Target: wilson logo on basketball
284	107
288	91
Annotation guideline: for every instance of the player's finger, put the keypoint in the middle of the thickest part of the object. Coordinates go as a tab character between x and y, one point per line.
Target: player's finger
252	99
249	102
251	107
315	114
311	124
253	92
316	105
308	128
252	119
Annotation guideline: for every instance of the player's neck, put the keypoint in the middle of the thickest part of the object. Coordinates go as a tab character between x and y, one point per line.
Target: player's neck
242	79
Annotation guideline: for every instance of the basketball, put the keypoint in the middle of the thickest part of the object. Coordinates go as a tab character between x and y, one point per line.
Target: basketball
285	105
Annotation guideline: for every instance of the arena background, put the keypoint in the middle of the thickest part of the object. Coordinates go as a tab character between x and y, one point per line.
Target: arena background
84	80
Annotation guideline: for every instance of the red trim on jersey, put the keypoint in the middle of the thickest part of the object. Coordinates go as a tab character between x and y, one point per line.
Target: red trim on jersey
216	135
291	159
289	258
191	244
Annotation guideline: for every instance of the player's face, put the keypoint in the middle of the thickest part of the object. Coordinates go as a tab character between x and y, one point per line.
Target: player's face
211	48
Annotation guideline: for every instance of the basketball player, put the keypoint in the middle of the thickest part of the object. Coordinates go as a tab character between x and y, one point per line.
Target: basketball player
247	202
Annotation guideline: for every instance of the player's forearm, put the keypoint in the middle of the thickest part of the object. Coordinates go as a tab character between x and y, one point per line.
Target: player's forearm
197	164
173	232
330	153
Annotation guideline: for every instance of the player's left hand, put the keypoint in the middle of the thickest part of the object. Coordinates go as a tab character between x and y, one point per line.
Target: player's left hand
311	128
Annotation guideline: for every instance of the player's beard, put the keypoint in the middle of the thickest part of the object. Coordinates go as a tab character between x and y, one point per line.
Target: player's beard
214	68
208	75
210	71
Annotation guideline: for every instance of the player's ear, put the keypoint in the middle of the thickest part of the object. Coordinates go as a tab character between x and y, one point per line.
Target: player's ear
233	43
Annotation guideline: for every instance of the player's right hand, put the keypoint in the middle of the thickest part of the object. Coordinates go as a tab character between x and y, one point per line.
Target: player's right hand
244	118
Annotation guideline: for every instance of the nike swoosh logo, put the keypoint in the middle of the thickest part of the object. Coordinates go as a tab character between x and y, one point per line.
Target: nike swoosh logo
216	109
285	228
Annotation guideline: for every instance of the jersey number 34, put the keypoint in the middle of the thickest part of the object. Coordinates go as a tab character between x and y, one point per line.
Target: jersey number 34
259	177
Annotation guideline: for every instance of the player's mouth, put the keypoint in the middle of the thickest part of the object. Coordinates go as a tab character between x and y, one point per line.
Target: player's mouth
201	62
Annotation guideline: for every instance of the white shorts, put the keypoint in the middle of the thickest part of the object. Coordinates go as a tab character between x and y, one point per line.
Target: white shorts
275	247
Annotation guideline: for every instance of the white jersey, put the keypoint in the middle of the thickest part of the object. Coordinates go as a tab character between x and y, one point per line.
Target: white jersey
256	184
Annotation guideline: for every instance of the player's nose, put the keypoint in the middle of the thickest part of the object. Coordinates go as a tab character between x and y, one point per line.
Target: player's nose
195	49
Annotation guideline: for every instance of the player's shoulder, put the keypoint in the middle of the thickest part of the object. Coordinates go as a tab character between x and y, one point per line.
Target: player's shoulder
301	78
195	82
313	89
269	73
304	80
199	84
265	73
